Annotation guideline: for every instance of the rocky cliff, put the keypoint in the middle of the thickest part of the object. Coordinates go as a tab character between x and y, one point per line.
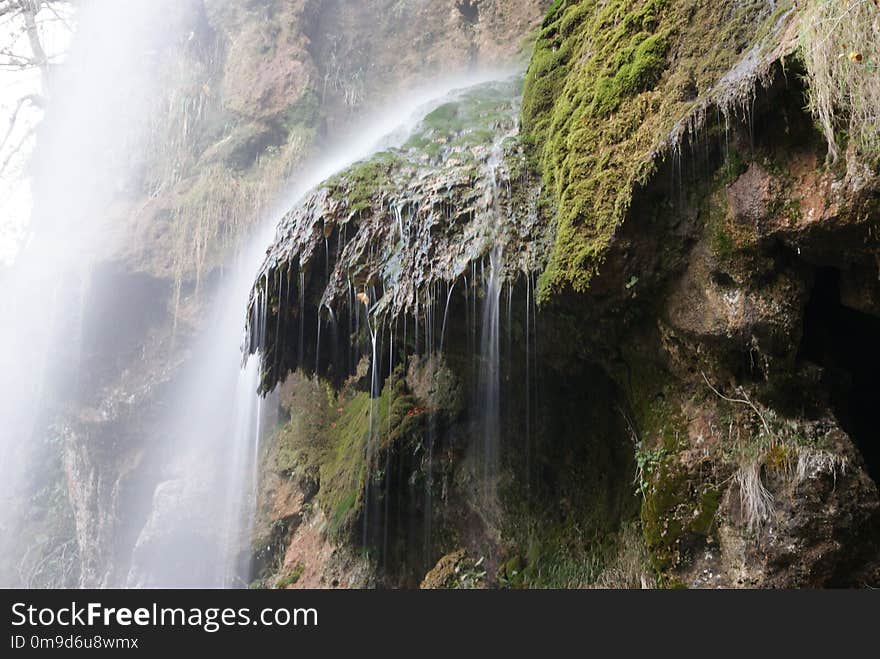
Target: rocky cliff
725	229
609	321
673	387
245	92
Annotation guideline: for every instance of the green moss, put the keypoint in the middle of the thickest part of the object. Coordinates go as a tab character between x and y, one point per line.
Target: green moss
511	573
722	243
677	501
301	443
445	118
473	118
660	523
344	467
600	99
731	242
560	561
784	207
734	166
640	67
676	505
291	577
560	566
424	144
459	130
721	235
364	181
656	414
328	440
304	113
704	521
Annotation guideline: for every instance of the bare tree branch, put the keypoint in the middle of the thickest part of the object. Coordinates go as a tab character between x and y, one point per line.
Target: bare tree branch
8	8
51	7
30	8
27	11
18	60
22	19
33	99
15	150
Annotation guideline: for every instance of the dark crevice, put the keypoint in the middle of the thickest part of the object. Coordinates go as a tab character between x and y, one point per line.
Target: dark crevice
846	344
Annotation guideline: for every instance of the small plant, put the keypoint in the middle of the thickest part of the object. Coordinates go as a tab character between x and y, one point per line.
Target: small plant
629	565
470	574
646	462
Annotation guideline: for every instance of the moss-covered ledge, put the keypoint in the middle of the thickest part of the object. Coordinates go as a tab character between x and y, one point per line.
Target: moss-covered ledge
613	87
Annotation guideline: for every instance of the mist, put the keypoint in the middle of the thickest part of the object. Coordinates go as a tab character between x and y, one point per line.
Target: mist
88	151
74	318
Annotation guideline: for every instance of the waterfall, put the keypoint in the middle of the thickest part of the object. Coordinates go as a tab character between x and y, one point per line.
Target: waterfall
186	519
489	391
489	385
455	205
197	533
52	359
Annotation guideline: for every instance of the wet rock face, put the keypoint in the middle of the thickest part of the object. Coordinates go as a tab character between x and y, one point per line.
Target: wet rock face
737	504
252	88
731	295
736	319
421	261
752	470
731	308
388	232
823	524
405	43
175	541
244	92
758	469
738	264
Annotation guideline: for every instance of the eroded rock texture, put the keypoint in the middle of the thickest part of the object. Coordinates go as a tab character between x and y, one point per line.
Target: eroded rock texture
245	93
614	327
708	287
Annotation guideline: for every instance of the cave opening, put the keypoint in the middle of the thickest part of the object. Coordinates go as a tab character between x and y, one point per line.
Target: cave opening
846	344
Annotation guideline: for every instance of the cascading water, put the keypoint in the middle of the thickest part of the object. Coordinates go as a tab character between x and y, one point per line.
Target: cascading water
198	531
98	120
187	521
424	233
489	389
198	527
489	386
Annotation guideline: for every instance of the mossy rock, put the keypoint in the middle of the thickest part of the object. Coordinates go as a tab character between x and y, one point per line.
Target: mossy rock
291	577
678	505
512	572
332	440
607	84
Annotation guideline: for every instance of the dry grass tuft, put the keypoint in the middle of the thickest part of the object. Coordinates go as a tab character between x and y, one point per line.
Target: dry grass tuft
841	50
630	566
756	502
812	462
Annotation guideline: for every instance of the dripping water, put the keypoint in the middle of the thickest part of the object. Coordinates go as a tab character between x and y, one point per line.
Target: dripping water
193	536
489	391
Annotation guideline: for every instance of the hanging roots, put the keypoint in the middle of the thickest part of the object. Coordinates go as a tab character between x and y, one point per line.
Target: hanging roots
756	502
